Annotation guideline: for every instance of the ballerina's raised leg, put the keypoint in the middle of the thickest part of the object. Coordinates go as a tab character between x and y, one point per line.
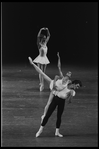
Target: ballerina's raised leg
47	78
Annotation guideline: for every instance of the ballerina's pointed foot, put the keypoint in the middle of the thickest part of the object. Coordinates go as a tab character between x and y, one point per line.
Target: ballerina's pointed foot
30	60
39	133
41	88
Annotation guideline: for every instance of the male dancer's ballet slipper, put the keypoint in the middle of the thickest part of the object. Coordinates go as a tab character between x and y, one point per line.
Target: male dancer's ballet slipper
58	135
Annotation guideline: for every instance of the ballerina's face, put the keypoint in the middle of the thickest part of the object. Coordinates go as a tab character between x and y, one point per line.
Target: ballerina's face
43	41
66	80
68	74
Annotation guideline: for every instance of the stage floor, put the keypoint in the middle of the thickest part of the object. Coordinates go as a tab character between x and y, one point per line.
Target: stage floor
23	105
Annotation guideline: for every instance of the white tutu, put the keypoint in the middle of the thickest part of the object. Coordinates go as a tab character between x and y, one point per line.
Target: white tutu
41	59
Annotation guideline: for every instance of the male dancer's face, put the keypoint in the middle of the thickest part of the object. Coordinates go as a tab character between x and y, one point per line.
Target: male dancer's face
73	86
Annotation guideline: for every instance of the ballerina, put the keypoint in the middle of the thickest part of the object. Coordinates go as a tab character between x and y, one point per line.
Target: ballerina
42	59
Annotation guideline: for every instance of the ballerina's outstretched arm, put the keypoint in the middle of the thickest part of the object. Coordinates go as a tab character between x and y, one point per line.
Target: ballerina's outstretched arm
48	79
48	35
59	66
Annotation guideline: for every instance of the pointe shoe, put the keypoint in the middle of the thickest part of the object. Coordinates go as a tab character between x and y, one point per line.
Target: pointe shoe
41	88
40	84
39	132
58	135
30	60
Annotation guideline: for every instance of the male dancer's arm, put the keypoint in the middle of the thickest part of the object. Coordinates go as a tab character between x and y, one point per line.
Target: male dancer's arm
70	98
70	95
59	66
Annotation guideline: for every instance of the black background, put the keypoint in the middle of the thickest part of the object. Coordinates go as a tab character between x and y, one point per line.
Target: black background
73	27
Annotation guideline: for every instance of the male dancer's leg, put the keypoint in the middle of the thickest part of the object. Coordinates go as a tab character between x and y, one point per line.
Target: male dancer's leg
60	110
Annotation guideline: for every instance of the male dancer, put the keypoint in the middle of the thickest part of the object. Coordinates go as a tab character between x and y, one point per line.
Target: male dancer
59	102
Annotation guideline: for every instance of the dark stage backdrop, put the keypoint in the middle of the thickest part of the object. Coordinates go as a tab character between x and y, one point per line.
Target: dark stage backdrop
73	27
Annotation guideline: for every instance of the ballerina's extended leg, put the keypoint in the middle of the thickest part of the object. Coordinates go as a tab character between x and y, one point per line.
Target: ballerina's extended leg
48	79
47	106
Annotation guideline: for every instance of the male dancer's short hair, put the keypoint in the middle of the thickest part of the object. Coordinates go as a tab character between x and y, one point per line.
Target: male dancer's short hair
77	82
